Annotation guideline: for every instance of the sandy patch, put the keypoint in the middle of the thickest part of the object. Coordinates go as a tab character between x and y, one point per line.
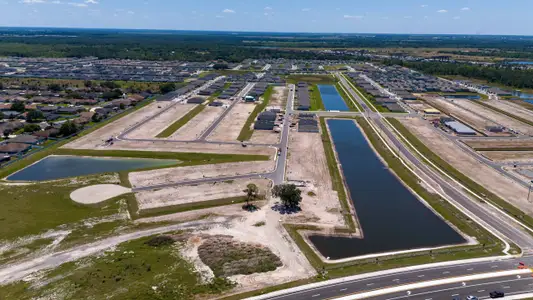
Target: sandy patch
197	125
496	117
279	96
97	193
96	138
196	193
161	122
173	175
307	162
265	137
489	178
230	127
490	143
509	156
512	108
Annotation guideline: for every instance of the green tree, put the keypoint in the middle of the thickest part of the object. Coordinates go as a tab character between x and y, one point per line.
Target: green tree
88	84
31	128
7	132
54	87
290	195
96	118
34	115
220	66
2	115
1	86
18	106
114	94
252	192
122	106
68	128
110	85
167	87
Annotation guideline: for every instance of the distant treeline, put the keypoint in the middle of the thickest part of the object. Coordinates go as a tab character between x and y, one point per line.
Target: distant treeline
502	75
494	53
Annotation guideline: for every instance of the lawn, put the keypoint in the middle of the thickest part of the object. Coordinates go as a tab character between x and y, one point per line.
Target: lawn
315	98
247	130
131	271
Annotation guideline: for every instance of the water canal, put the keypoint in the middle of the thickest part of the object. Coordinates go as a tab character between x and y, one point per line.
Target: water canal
55	167
392	219
331	98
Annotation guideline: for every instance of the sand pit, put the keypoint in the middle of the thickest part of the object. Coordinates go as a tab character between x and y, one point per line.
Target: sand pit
196	193
230	127
495	116
197	125
324	207
509	156
173	175
96	138
489	178
153	127
265	137
469	117
480	144
98	193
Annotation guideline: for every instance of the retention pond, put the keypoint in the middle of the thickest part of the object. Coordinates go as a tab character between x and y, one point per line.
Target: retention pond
55	167
391	217
331	98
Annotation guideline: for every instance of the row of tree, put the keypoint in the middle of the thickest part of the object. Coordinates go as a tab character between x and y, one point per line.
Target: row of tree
290	195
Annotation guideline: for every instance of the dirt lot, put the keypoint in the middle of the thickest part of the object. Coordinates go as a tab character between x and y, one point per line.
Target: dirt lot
229	128
512	108
96	138
496	117
509	156
490	143
155	126
265	137
196	193
197	125
479	123
468	165
279	96
307	162
173	175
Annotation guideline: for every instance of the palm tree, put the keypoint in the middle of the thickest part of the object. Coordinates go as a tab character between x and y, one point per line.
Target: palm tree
252	192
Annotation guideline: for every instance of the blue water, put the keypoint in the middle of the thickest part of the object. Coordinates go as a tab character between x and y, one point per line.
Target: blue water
331	98
529	101
55	167
522	95
459	96
521	62
391	218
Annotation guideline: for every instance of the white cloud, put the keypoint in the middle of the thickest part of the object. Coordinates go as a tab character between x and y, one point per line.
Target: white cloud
306	9
32	1
130	12
91	2
219	16
352	17
228	11
442	11
424	5
426	17
465	8
268	8
77	4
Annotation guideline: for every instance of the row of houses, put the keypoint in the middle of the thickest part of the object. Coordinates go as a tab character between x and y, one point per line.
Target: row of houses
302	96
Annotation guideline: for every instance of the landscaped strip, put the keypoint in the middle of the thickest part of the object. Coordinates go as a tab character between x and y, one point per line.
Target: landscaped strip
315	98
247	131
352	104
488	244
469	183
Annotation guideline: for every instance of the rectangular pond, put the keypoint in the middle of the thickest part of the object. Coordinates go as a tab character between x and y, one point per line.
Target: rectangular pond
391	217
331	98
462	96
56	167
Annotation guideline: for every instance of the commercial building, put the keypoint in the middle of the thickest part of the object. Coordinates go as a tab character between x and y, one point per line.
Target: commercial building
460	128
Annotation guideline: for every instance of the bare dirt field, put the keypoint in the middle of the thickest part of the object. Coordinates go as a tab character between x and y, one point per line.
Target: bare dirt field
196	193
197	125
419	105
265	137
508	156
98	193
481	144
512	108
97	137
496	117
472	119
307	162
173	175
156	125
230	127
468	165
279	96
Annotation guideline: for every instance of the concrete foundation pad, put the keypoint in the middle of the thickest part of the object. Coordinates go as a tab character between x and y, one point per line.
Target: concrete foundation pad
98	193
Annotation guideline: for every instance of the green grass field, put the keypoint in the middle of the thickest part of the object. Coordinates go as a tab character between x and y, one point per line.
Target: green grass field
311	79
315	98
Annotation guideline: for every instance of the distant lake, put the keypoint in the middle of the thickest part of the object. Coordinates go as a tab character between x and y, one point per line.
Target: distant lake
521	95
459	96
56	167
520	62
331	98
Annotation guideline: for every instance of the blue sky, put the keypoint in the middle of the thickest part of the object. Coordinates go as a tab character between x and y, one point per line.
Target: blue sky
351	16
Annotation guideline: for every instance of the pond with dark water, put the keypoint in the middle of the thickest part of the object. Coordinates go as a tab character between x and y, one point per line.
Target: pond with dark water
391	217
56	167
331	98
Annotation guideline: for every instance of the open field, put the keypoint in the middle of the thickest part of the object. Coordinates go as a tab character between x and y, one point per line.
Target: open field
487	177
172	175
265	137
512	108
279	96
153	127
95	139
307	162
509	156
499	145
496	117
311	79
188	194
479	123
198	124
229	128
